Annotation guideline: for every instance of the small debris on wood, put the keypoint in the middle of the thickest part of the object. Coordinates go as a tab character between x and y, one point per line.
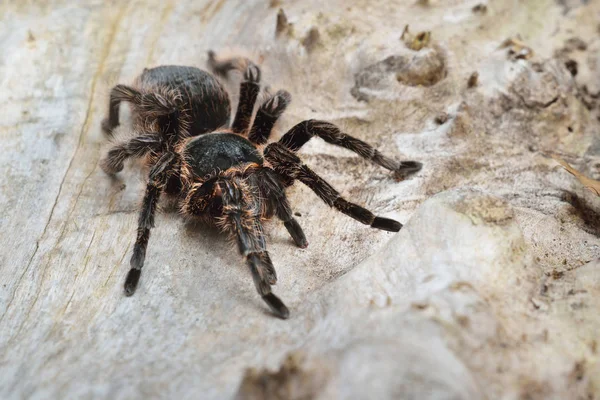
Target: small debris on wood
480	9
473	80
589	183
556	274
575	43
297	214
274	3
30	37
282	27
517	50
419	306
311	40
572	67
578	371
441	118
415	42
293	380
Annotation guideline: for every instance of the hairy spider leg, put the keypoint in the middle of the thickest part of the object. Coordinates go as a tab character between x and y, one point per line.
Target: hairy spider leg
249	89
153	103
266	116
272	191
158	177
241	217
164	168
301	133
137	147
222	67
286	163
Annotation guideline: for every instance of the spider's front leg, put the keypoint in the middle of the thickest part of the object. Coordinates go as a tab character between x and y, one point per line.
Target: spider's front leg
241	217
267	115
301	133
241	214
272	192
288	164
158	177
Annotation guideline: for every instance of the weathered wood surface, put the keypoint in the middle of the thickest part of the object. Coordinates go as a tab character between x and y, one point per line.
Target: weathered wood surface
529	326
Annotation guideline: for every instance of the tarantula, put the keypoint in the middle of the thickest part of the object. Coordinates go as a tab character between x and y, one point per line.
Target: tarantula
226	176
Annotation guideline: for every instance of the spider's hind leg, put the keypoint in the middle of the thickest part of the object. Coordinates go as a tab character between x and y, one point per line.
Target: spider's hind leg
152	104
222	67
116	96
249	89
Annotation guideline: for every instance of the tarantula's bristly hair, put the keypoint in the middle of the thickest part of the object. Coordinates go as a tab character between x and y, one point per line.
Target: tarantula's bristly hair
222	67
301	133
137	147
267	115
158	177
249	89
151	105
286	163
162	101
197	198
241	219
273	197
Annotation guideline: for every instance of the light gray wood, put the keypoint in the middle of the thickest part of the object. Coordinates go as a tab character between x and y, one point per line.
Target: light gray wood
196	324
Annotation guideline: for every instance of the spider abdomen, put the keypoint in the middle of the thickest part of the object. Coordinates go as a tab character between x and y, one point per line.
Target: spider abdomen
201	93
218	152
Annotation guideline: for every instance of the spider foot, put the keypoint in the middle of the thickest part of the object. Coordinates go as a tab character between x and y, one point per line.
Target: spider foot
407	168
277	104
252	73
212	57
296	233
276	305
111	166
107	127
386	224
131	282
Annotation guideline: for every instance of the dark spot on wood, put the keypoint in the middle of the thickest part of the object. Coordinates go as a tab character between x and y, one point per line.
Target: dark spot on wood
480	9
473	80
441	118
575	43
584	211
282	27
557	274
572	67
311	40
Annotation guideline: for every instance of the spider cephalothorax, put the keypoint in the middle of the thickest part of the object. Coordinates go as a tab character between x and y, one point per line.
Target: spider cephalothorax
218	174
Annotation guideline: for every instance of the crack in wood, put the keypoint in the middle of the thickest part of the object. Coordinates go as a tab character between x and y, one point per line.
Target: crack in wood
85	129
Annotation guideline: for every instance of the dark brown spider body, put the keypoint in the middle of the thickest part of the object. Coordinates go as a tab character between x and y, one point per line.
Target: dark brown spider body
225	176
213	152
197	93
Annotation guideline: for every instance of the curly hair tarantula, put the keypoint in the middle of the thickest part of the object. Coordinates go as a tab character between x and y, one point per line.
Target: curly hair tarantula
224	175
